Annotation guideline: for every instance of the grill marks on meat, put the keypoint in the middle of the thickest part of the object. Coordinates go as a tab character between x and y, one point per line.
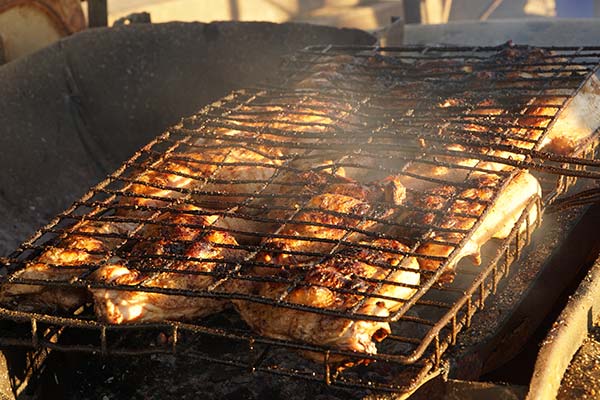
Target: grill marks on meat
219	175
195	254
468	208
343	209
83	248
323	282
324	285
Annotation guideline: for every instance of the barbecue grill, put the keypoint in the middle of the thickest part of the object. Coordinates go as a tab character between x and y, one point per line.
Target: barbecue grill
390	128
380	105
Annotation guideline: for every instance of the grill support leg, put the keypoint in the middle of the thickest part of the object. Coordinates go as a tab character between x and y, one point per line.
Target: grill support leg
97	13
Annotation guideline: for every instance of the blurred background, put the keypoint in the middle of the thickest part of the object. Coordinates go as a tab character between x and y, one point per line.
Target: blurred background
364	14
27	25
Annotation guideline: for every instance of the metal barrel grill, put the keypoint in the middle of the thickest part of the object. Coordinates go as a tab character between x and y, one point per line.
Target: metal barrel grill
370	113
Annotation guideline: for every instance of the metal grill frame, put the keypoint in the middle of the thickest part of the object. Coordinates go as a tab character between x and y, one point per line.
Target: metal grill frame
427	355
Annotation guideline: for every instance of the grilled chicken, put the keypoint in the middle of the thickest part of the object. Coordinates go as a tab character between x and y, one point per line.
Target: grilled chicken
283	123
64	262
231	173
466	209
578	121
325	286
339	213
183	254
301	253
156	183
282	198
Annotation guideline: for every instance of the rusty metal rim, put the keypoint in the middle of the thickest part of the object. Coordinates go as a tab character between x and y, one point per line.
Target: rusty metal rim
566	337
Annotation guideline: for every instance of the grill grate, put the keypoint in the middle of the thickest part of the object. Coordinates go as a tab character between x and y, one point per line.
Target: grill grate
367	112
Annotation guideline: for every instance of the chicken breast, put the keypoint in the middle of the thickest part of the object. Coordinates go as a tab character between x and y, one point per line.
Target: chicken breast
180	251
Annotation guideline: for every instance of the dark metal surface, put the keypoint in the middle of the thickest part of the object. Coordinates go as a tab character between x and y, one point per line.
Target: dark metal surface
566	336
97	96
97	13
431	319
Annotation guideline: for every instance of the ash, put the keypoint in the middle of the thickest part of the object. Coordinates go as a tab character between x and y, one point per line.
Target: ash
182	377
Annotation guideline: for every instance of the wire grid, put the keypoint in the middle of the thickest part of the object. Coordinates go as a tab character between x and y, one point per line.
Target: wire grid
332	113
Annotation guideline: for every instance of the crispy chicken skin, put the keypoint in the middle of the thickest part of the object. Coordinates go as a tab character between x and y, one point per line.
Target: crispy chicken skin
322	286
347	205
285	194
59	263
226	172
294	257
497	223
174	172
184	246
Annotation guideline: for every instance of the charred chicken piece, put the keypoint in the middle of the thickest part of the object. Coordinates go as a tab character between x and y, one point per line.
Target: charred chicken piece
283	196
311	235
86	245
231	173
497	222
185	254
325	286
343	206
